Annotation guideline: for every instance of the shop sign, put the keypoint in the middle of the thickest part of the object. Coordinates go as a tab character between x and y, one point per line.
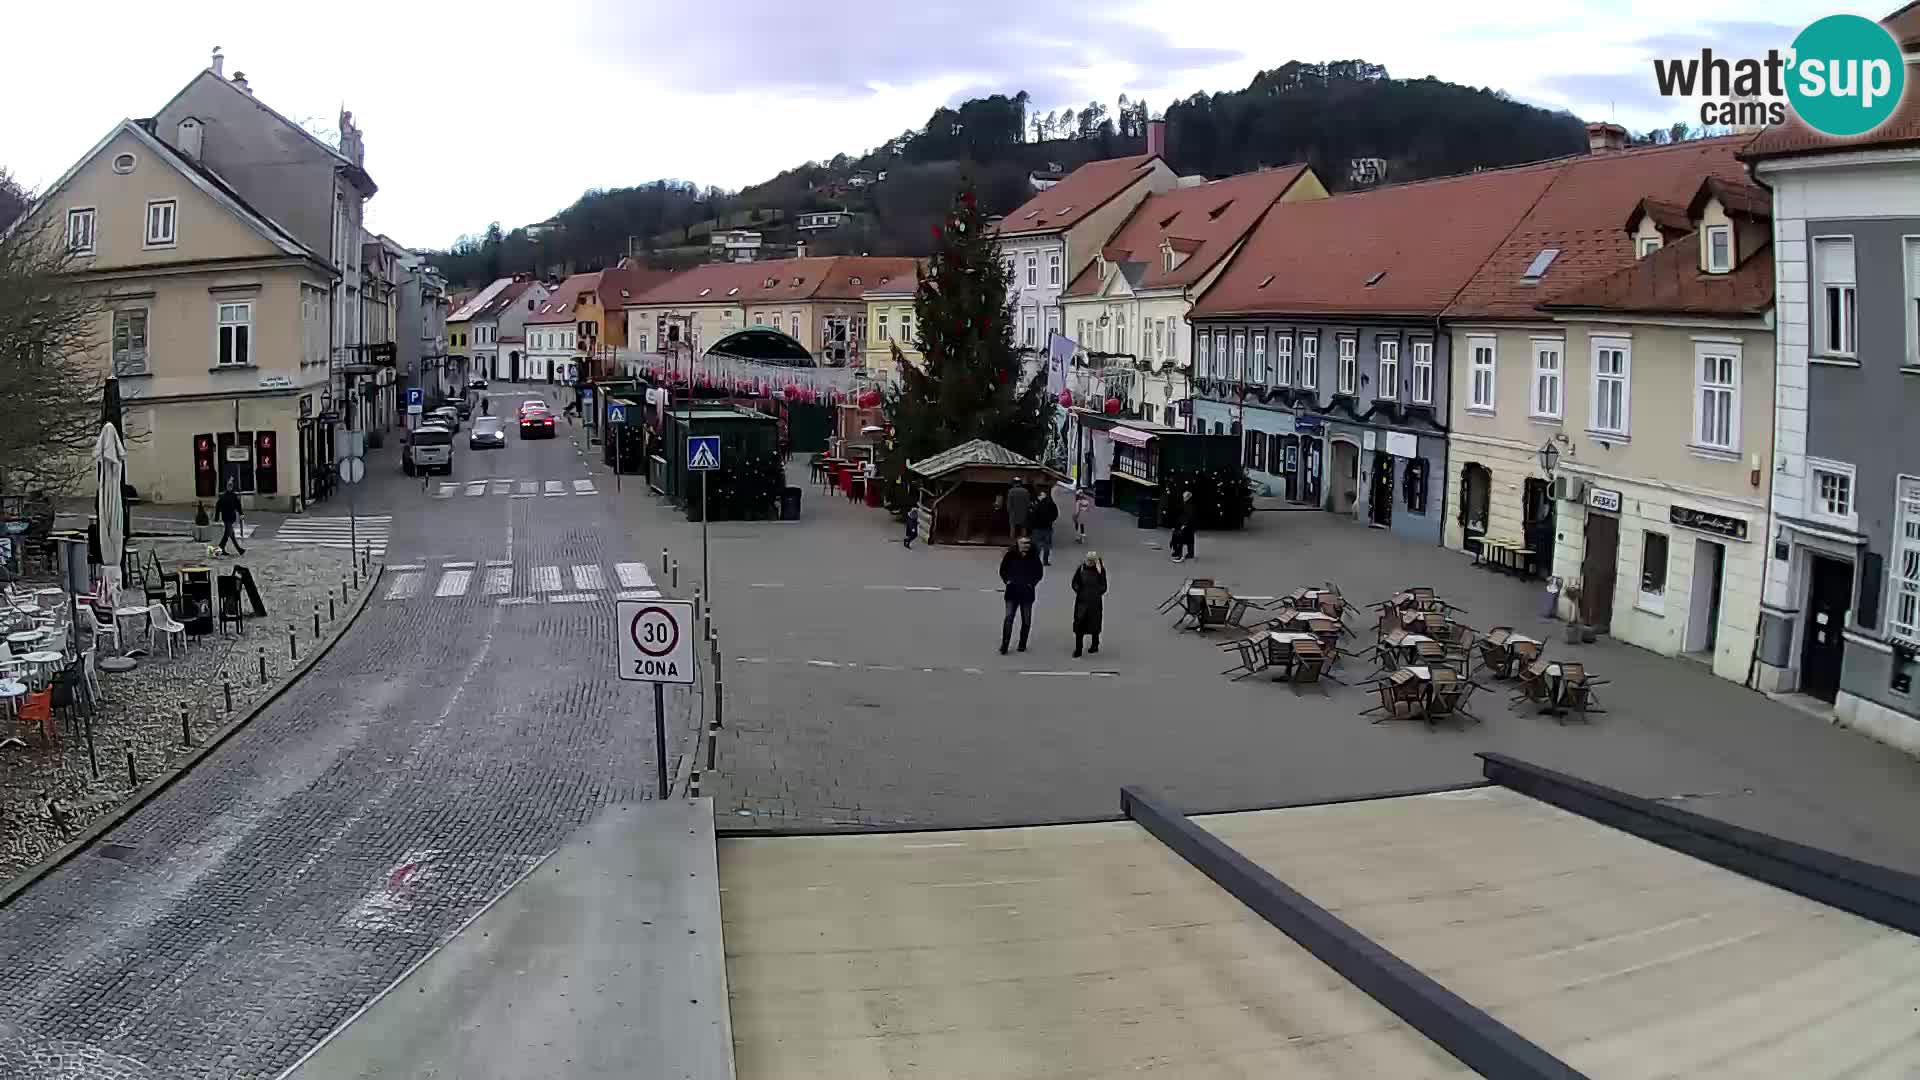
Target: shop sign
1403	444
306	406
1309	425
1368	440
1733	528
275	382
1604	499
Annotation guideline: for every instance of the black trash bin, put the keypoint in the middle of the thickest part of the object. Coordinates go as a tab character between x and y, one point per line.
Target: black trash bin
1149	512
1103	493
790	504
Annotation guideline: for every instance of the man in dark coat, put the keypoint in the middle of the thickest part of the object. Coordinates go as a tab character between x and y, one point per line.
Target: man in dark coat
1182	514
1019	499
1089	600
1040	518
1021	571
227	507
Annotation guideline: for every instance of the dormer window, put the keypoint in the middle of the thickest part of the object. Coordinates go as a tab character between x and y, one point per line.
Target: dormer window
1537	269
1719	241
1645	246
769	283
704	292
854	280
796	283
1376	278
735	291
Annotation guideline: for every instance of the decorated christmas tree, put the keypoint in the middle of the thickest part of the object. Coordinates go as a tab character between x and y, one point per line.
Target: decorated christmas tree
968	384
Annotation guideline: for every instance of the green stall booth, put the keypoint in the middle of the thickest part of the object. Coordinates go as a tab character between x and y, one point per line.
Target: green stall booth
1134	464
749	483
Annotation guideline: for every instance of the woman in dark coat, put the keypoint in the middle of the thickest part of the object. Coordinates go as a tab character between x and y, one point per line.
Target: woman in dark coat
1089	593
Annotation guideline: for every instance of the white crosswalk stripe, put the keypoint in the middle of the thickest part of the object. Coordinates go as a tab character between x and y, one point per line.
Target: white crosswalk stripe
554	487
499	581
529	487
371	531
518	489
502	487
633	575
546	579
588	577
445	491
584	487
404	585
453	583
476	487
455	580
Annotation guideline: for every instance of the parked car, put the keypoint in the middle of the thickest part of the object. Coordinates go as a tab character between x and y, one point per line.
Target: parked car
428	448
449	414
489	433
463	409
477	384
536	424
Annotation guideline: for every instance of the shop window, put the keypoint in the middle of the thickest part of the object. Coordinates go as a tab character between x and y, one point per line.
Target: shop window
1653	571
266	479
206	469
1415	485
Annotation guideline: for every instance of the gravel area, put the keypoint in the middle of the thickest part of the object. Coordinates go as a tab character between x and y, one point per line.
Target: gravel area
48	796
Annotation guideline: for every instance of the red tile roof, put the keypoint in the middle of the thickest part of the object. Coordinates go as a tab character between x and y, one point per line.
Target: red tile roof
1670	282
620	284
1738	200
1426	238
1203	222
559	306
1669	218
1580	213
504	299
1083	191
830	277
1904	25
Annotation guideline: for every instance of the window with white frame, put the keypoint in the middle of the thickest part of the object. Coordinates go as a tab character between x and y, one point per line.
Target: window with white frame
160	222
1719	249
1545	402
1310	361
1482	357
1007	265
1386	384
1716	403
1080	332
1026	328
1053	322
906	327
1053	268
1830	492
796	326
1904	582
236	334
1238	372
130	341
1913	302
1646	245
1119	335
1347	380
1423	372
1612	385
1169	329
1147	340
880	328
1653	571
1259	372
1205	363
1033	269
1283	359
1221	358
1834	299
80	231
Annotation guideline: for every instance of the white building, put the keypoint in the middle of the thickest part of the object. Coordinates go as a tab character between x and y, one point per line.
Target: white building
735	245
553	332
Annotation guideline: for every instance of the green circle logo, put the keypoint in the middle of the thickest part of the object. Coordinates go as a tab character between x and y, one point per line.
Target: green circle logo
1847	75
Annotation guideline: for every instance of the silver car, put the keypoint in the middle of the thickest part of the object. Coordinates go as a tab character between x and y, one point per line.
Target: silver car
489	433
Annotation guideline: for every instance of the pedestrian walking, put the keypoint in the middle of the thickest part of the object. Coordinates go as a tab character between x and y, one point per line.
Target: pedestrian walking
1019	501
1182	513
1021	571
1089	603
228	508
1040	519
1082	510
913	525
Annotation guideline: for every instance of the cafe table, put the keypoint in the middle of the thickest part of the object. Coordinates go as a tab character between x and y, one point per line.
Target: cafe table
29	637
43	663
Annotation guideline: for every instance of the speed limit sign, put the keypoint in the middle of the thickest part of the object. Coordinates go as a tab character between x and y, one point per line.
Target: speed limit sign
656	640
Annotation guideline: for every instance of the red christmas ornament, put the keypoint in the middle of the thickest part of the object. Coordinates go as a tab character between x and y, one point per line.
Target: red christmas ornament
1113	406
1066	398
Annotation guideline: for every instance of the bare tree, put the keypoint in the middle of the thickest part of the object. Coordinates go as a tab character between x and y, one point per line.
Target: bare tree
14	199
50	377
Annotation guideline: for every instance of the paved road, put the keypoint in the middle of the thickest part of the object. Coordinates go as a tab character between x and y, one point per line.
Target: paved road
448	742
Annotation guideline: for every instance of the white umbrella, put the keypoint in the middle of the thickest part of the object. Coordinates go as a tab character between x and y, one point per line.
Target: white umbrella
110	468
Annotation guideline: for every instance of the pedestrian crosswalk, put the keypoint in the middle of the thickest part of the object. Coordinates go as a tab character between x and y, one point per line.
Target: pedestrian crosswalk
370	531
515	489
507	585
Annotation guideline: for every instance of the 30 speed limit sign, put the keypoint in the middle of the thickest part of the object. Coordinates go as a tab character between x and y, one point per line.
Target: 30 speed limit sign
656	640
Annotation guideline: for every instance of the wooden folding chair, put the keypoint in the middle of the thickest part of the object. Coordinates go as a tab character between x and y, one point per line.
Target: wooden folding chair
1400	701
1310	663
1253	657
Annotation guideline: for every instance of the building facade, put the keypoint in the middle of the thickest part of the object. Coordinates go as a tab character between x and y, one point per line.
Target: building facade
890	326
555	343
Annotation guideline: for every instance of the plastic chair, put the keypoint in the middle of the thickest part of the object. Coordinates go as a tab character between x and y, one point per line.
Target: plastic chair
103	625
38	711
160	621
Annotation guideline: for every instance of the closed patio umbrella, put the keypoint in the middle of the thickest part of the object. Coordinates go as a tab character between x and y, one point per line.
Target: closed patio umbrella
110	466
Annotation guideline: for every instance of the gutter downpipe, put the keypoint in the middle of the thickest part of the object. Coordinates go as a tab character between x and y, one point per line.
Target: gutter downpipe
1773	449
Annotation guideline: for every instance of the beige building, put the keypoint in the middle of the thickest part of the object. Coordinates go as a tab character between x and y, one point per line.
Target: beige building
890	326
215	320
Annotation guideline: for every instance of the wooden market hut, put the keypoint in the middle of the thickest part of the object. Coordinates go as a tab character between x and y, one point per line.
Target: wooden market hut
958	488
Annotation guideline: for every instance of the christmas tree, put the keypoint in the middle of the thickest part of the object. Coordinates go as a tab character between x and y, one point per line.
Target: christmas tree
968	385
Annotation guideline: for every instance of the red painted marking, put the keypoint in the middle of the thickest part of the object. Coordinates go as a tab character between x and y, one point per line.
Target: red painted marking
398	880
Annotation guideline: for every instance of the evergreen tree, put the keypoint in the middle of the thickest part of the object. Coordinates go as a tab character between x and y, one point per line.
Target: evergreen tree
968	385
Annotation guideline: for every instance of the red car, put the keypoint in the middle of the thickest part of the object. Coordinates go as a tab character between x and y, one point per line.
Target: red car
536	424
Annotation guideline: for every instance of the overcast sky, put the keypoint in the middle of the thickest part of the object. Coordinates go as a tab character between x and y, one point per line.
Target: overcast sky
484	111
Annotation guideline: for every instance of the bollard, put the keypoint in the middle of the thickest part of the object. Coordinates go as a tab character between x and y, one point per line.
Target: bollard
696	601
226	685
663	561
713	742
293	651
676	573
693	785
133	775
186	726
331	614
355	567
316	620
263	657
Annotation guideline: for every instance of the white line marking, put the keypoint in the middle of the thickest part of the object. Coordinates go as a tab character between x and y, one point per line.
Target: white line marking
499	581
768	585
453	583
499	562
407	566
584	487
546	579
476	487
528	487
466	565
917	847
502	487
633	575
884	667
573	598
909	588
1073	673
553	488
447	490
535	497
512	600
822	663
404	586
588	577
639	594
969	670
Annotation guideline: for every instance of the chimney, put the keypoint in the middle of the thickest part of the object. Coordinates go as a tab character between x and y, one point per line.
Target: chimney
1604	137
219	65
188	140
240	80
1157	138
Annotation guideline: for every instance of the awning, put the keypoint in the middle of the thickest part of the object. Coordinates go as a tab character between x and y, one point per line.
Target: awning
1130	436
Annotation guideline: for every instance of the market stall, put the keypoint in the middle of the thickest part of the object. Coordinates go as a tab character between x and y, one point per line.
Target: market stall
957	490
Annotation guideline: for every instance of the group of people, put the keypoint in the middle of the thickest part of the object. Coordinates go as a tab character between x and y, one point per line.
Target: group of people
1021	569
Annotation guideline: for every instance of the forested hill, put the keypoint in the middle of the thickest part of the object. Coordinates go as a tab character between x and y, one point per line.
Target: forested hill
1328	115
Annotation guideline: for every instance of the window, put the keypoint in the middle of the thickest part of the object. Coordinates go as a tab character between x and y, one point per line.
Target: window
80	231
1719	249
1414	483
160	222
1546	379
906	327
1349	373
124	163
1481	369
1147	340
1717	399
130	341
1238	372
1423	372
1053	268
1653	571
1283	359
1830	492
1222	361
1537	269
880	327
796	326
1905	579
1387	385
1167	338
1119	335
1913	302
1205	357
1053	322
1310	361
1253	453
1259	372
1833	271
1611	375
1646	245
1033	269
1080	331
236	333
1026	328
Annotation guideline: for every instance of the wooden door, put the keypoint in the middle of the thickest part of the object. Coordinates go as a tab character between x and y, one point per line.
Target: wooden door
1599	570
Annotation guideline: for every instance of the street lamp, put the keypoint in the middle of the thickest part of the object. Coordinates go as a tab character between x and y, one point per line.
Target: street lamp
1549	457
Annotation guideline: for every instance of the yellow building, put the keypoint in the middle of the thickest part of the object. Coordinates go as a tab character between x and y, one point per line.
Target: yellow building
214	318
889	326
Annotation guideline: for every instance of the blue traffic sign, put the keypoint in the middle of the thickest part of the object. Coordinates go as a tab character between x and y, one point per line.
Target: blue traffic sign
703	452
414	395
616	414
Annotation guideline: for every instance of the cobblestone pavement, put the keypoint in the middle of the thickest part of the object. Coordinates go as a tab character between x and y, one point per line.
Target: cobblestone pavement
863	688
436	754
140	709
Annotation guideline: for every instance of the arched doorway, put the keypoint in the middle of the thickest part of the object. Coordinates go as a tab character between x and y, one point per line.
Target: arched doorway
513	366
1346	476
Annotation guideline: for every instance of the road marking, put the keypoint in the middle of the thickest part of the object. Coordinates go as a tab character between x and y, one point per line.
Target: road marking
639	594
513	600
1075	674
767	585
476	487
407	566
546	579
588	577
499	562
446	491
526	496
404	586
501	487
453	583
528	487
499	581
633	575
573	598
908	588
917	847
467	565
553	488
585	487
822	663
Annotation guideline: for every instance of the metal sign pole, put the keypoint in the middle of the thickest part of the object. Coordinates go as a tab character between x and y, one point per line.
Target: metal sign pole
616	457
706	511
660	737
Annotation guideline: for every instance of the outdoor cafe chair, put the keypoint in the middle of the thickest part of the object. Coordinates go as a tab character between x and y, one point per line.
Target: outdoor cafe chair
1450	698
1311	664
1534	686
1253	657
162	622
1399	701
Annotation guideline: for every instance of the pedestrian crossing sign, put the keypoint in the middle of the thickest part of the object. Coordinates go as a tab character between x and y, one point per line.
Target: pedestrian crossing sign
703	452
